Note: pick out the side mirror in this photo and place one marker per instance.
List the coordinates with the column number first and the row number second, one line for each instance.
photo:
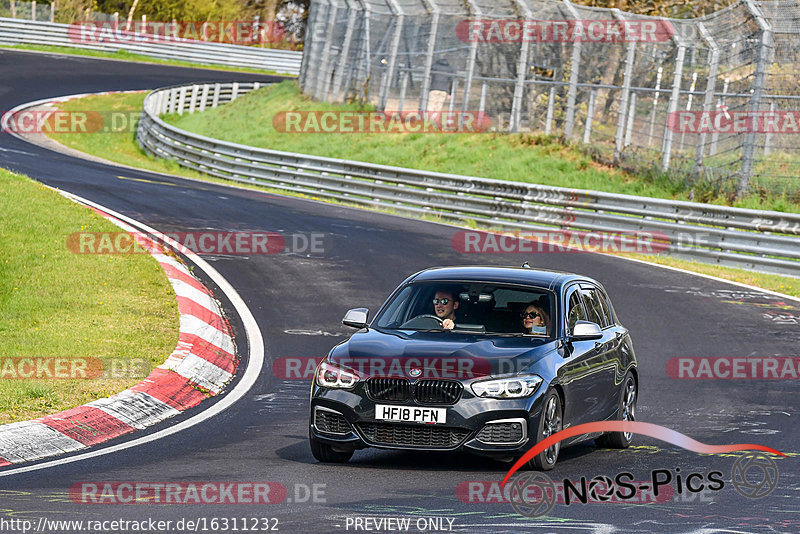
column 356, row 318
column 586, row 330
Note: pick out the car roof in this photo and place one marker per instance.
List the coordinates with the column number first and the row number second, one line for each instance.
column 513, row 275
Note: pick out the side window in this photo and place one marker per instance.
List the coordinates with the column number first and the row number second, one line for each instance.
column 603, row 300
column 594, row 312
column 575, row 311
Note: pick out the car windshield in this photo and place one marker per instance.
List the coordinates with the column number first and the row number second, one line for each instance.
column 485, row 308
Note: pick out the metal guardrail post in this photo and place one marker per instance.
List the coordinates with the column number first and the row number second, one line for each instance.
column 708, row 99
column 426, row 75
column 399, row 19
column 574, row 71
column 764, row 44
column 673, row 106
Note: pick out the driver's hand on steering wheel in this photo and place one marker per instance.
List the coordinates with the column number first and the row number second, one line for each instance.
column 448, row 324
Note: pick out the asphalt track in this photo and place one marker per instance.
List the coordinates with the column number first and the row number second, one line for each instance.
column 263, row 436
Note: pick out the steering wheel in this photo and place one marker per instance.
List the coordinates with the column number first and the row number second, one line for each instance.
column 423, row 322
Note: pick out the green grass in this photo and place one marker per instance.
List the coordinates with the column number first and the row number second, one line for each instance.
column 122, row 148
column 531, row 158
column 124, row 55
column 59, row 304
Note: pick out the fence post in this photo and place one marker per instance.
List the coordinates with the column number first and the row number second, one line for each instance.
column 721, row 108
column 626, row 89
column 748, row 150
column 217, row 90
column 587, row 129
column 53, row 11
column 522, row 74
column 204, row 97
column 181, row 100
column 453, row 91
column 323, row 74
column 13, row 9
column 689, row 105
column 673, row 105
column 708, row 99
column 574, row 71
column 482, row 104
column 313, row 70
column 403, row 87
column 631, row 118
column 344, row 55
column 473, row 54
column 390, row 68
column 548, row 123
column 33, row 10
column 426, row 76
column 193, row 98
column 768, row 136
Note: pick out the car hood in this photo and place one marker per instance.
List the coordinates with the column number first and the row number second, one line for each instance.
column 409, row 354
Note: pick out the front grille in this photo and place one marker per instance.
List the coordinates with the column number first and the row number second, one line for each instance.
column 389, row 389
column 437, row 391
column 424, row 391
column 423, row 436
column 330, row 422
column 501, row 433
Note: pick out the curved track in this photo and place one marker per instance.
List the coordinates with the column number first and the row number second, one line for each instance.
column 263, row 436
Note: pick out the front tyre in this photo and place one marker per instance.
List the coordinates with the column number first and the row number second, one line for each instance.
column 549, row 423
column 326, row 453
column 625, row 412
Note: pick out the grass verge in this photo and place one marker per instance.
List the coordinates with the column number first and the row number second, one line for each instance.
column 123, row 55
column 57, row 304
column 122, row 148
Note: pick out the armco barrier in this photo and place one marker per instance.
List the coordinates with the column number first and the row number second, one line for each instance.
column 16, row 31
column 766, row 241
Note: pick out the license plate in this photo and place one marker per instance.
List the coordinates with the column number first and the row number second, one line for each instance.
column 410, row 414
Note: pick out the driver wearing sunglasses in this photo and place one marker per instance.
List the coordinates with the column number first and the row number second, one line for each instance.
column 535, row 320
column 445, row 306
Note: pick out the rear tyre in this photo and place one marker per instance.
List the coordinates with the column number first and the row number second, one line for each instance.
column 549, row 423
column 325, row 453
column 625, row 412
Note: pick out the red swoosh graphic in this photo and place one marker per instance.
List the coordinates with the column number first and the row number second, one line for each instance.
column 636, row 427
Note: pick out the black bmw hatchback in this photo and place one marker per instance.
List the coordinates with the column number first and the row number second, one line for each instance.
column 488, row 360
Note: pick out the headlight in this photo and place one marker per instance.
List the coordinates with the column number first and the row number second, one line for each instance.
column 517, row 387
column 331, row 375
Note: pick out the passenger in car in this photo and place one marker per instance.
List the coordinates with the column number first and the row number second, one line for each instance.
column 535, row 319
column 445, row 306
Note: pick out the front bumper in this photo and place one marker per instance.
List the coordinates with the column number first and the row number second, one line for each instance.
column 461, row 432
